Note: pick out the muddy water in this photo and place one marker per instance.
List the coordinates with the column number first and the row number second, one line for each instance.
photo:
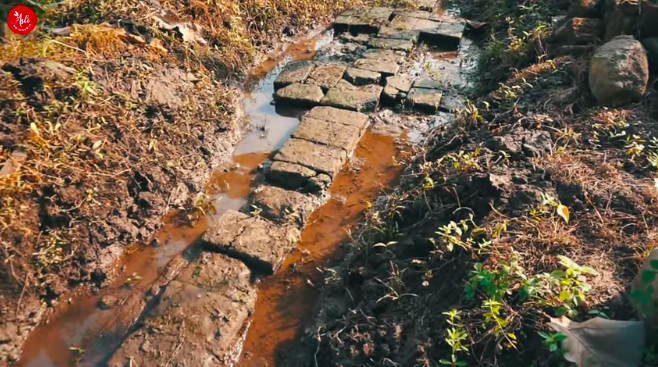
column 286, row 300
column 80, row 331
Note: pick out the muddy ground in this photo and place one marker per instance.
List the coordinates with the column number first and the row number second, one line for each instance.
column 477, row 215
column 112, row 119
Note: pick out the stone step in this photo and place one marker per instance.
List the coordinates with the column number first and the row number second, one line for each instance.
column 259, row 243
column 208, row 304
column 362, row 20
column 284, row 206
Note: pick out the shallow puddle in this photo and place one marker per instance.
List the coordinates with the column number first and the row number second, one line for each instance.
column 81, row 332
column 287, row 299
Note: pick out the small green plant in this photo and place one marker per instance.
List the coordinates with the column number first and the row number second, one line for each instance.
column 644, row 295
column 455, row 335
column 552, row 341
column 459, row 234
column 571, row 285
column 492, row 315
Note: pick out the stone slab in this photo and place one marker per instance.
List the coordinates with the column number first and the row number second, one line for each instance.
column 385, row 68
column 396, row 88
column 420, row 14
column 293, row 72
column 328, row 133
column 296, row 177
column 427, row 83
column 326, row 75
column 299, row 95
column 391, row 44
column 451, row 103
column 426, row 26
column 397, row 57
column 401, row 34
column 284, row 206
column 447, row 35
column 340, row 116
column 318, row 157
column 257, row 242
column 353, row 23
column 360, row 77
column 361, row 39
column 200, row 319
column 360, row 99
column 427, row 100
column 403, row 23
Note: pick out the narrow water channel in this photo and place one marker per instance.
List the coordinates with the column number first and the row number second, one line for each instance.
column 79, row 331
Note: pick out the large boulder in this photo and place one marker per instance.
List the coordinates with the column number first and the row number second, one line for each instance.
column 619, row 71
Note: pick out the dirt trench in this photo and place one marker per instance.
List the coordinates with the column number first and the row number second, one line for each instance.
column 349, row 101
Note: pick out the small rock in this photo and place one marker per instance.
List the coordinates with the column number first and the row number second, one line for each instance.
column 619, row 72
column 106, row 302
column 146, row 346
column 391, row 44
column 326, row 75
column 386, row 68
column 293, row 72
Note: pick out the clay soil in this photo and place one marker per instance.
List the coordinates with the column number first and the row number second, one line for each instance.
column 498, row 175
column 111, row 119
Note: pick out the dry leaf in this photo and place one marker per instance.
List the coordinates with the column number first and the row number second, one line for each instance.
column 13, row 163
column 600, row 342
column 34, row 128
column 97, row 144
column 563, row 212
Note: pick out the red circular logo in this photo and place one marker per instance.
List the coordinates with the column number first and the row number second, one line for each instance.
column 21, row 20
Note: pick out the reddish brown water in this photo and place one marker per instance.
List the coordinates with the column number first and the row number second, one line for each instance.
column 286, row 300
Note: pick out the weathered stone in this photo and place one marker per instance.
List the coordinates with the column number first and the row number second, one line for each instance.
column 401, row 34
column 619, row 72
column 649, row 19
column 362, row 77
column 447, row 35
column 386, row 68
column 201, row 316
column 299, row 95
column 284, row 206
column 621, row 18
column 391, row 44
column 340, row 116
column 361, row 39
column 451, row 103
column 399, row 82
column 255, row 241
column 293, row 72
column 320, row 158
column 426, row 26
column 413, row 14
column 651, row 45
column 328, row 133
column 385, row 55
column 585, row 8
column 396, row 87
column 326, row 75
column 362, row 20
column 424, row 99
column 403, row 23
column 427, row 83
column 358, row 99
column 353, row 23
column 578, row 31
column 291, row 176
